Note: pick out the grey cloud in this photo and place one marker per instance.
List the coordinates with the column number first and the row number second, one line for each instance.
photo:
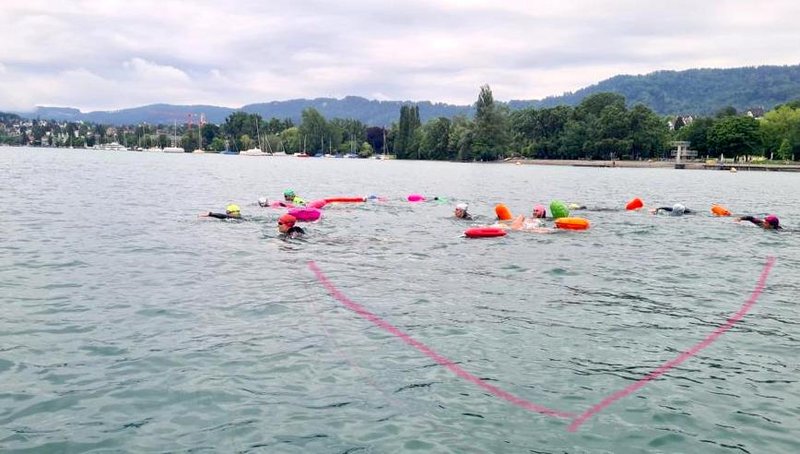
column 403, row 50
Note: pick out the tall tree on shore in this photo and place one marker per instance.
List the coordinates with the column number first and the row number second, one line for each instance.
column 490, row 134
column 405, row 145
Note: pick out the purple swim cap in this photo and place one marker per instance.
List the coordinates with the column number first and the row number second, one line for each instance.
column 772, row 220
column 539, row 211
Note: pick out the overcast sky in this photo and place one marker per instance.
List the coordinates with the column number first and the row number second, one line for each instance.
column 110, row 54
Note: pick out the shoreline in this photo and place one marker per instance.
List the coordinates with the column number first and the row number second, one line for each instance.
column 687, row 165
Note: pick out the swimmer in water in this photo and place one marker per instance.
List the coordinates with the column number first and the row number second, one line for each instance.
column 534, row 224
column 770, row 222
column 674, row 210
column 263, row 202
column 231, row 212
column 291, row 197
column 461, row 212
column 287, row 227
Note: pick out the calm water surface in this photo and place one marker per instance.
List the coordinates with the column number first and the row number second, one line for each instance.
column 128, row 324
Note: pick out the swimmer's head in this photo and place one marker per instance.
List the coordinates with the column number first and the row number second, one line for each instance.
column 233, row 210
column 461, row 210
column 772, row 221
column 539, row 211
column 263, row 202
column 286, row 221
column 574, row 206
column 678, row 209
column 288, row 194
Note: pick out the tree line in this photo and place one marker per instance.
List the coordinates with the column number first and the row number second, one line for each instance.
column 601, row 126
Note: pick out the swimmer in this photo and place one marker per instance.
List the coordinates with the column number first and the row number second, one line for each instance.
column 576, row 206
column 674, row 210
column 770, row 222
column 461, row 212
column 291, row 197
column 532, row 225
column 231, row 212
column 287, row 227
column 264, row 203
column 539, row 212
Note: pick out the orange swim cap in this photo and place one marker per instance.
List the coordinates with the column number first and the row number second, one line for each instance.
column 287, row 219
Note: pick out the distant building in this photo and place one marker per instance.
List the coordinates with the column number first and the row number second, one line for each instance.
column 755, row 112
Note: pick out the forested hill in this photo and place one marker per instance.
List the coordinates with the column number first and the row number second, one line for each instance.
column 694, row 91
column 370, row 112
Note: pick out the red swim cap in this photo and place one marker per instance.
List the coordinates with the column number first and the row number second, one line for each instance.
column 287, row 219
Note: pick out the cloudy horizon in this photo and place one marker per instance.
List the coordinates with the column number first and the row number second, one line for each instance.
column 109, row 55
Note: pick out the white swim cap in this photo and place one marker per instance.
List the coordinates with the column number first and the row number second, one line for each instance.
column 678, row 209
column 262, row 201
column 462, row 206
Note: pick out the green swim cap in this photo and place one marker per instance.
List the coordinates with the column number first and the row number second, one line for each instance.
column 288, row 192
column 558, row 209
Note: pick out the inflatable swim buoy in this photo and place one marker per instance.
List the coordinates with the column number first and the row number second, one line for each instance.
column 502, row 211
column 345, row 199
column 558, row 209
column 305, row 214
column 318, row 204
column 416, row 198
column 484, row 232
column 634, row 204
column 719, row 210
column 572, row 223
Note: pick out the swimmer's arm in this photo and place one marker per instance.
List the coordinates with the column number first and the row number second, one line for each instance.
column 752, row 219
column 517, row 223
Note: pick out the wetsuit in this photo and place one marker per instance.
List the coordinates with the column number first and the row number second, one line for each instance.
column 294, row 232
column 669, row 210
column 466, row 216
column 757, row 221
column 222, row 216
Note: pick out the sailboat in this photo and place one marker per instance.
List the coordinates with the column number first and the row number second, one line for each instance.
column 174, row 148
column 303, row 154
column 199, row 149
column 255, row 151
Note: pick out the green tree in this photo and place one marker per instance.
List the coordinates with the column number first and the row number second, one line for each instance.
column 460, row 139
column 785, row 150
column 435, row 141
column 313, row 129
column 648, row 134
column 405, row 146
column 735, row 136
column 490, row 133
column 780, row 125
column 697, row 134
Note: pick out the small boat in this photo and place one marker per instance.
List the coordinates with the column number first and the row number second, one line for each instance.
column 253, row 152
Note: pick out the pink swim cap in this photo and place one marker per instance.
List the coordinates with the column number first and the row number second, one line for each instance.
column 772, row 220
column 539, row 211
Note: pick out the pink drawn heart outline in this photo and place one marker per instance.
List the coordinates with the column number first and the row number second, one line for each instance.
column 576, row 420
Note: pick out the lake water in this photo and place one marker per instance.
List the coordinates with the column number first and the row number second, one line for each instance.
column 128, row 324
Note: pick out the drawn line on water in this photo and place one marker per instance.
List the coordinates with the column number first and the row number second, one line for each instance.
column 661, row 370
column 429, row 352
column 353, row 364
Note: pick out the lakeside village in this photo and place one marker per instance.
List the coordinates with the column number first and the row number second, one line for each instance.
column 601, row 128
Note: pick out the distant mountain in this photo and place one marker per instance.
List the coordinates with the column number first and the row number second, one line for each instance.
column 373, row 113
column 695, row 91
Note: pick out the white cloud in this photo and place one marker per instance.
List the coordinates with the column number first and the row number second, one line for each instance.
column 110, row 54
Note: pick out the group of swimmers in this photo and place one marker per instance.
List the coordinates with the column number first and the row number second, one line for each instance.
column 288, row 228
column 535, row 222
column 287, row 224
